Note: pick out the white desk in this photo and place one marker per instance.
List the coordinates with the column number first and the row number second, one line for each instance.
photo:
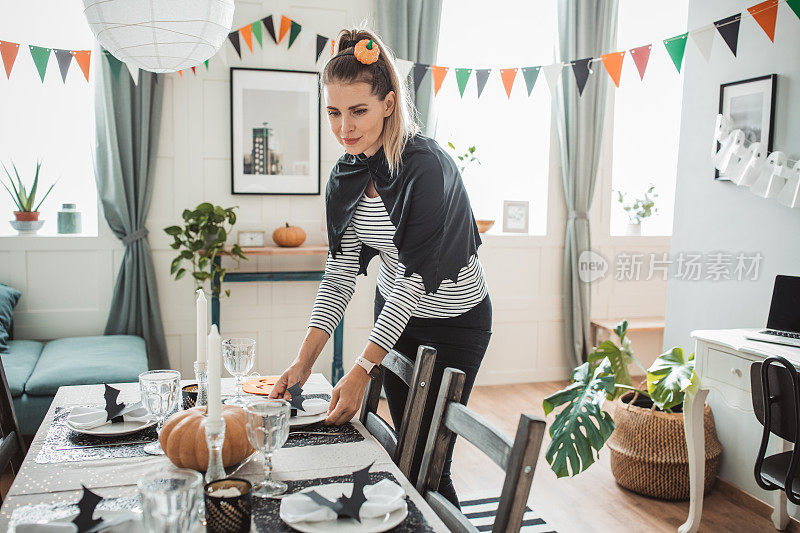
column 722, row 363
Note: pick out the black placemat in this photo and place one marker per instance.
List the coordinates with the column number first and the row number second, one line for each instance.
column 348, row 430
column 45, row 512
column 59, row 435
column 266, row 511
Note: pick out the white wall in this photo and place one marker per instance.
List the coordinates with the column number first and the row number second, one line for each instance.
column 717, row 216
column 67, row 282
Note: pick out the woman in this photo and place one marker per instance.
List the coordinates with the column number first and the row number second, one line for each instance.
column 396, row 194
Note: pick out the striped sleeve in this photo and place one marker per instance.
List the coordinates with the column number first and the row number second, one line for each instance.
column 338, row 284
column 400, row 305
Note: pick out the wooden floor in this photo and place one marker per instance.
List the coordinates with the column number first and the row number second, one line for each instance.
column 591, row 501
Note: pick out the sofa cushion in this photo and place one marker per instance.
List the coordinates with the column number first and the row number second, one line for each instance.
column 19, row 363
column 87, row 360
column 8, row 300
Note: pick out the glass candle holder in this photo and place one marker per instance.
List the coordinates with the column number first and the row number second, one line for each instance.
column 215, row 438
column 201, row 375
column 229, row 506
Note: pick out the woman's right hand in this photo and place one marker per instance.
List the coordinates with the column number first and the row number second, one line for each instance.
column 297, row 373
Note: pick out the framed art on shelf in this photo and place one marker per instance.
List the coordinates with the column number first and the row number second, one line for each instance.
column 750, row 106
column 515, row 216
column 275, row 131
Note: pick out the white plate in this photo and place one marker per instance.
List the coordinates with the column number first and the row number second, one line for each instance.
column 300, row 421
column 115, row 430
column 349, row 525
column 134, row 526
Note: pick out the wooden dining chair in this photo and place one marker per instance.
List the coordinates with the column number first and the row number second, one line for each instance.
column 775, row 389
column 517, row 458
column 12, row 445
column 400, row 444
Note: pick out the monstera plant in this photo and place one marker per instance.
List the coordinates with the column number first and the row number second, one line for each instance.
column 581, row 429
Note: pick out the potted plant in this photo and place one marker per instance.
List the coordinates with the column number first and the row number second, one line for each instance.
column 200, row 240
column 467, row 160
column 26, row 217
column 645, row 434
column 638, row 209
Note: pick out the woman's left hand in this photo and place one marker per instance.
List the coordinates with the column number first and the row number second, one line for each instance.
column 347, row 396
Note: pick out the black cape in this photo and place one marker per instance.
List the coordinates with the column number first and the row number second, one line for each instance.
column 436, row 234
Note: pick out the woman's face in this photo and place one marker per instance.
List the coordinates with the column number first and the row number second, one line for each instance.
column 356, row 116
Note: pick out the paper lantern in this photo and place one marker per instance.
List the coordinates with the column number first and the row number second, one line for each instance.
column 160, row 35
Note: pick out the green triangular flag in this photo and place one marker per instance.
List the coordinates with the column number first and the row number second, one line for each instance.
column 293, row 33
column 795, row 5
column 676, row 46
column 530, row 73
column 462, row 77
column 257, row 31
column 40, row 57
column 114, row 64
column 206, row 63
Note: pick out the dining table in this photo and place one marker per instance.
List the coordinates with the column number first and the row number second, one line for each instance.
column 59, row 463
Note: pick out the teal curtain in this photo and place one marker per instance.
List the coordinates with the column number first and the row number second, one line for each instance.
column 127, row 120
column 411, row 29
column 587, row 28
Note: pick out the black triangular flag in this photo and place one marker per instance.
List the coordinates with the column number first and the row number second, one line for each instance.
column 419, row 72
column 234, row 38
column 270, row 27
column 580, row 67
column 64, row 58
column 728, row 28
column 321, row 42
column 481, row 76
column 85, row 519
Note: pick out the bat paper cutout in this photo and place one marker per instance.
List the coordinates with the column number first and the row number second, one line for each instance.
column 113, row 408
column 346, row 506
column 297, row 398
column 85, row 519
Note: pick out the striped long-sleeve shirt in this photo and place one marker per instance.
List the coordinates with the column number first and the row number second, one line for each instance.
column 405, row 296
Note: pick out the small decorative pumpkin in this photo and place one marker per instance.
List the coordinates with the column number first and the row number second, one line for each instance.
column 366, row 51
column 289, row 236
column 183, row 438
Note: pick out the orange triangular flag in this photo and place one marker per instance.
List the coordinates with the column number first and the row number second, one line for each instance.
column 613, row 64
column 9, row 52
column 286, row 23
column 82, row 57
column 438, row 77
column 765, row 14
column 508, row 75
column 180, row 73
column 247, row 33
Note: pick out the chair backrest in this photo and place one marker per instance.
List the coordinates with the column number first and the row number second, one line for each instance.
column 12, row 445
column 518, row 457
column 417, row 375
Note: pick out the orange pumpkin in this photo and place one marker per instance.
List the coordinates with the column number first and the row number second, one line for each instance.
column 183, row 438
column 289, row 236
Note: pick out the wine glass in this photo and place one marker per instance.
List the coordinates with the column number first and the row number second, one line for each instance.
column 170, row 499
column 160, row 390
column 267, row 430
column 238, row 355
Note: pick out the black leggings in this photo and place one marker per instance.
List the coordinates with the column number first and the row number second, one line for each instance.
column 460, row 342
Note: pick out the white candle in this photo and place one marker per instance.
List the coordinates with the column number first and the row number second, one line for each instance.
column 202, row 326
column 214, row 383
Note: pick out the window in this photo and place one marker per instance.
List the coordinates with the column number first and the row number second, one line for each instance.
column 647, row 114
column 512, row 136
column 51, row 121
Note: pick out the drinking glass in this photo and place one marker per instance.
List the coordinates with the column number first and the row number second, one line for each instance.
column 267, row 430
column 170, row 499
column 160, row 390
column 238, row 355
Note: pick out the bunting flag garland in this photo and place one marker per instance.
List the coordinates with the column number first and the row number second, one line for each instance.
column 462, row 77
column 134, row 72
column 676, row 46
column 322, row 41
column 613, row 64
column 206, row 63
column 40, row 56
column 255, row 29
column 766, row 14
column 580, row 67
column 439, row 74
column 703, row 40
column 270, row 25
column 8, row 51
column 82, row 57
column 419, row 73
column 728, row 29
column 247, row 34
column 233, row 37
column 64, row 58
column 194, row 71
column 294, row 31
column 481, row 76
column 530, row 74
column 508, row 75
column 641, row 55
column 286, row 23
column 552, row 73
column 114, row 64
column 404, row 67
column 795, row 5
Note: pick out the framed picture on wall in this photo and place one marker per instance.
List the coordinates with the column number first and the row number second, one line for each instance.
column 750, row 105
column 515, row 216
column 275, row 131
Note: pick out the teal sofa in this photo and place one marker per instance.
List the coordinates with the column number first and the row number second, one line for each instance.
column 36, row 370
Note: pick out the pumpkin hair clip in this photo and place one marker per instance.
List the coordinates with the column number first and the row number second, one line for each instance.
column 366, row 51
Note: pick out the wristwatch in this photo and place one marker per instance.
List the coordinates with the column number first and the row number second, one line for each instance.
column 370, row 367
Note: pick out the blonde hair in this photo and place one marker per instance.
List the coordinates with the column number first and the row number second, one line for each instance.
column 402, row 123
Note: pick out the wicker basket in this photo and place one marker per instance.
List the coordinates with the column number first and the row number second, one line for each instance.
column 648, row 451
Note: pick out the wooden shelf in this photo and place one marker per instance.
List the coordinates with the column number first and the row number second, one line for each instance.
column 280, row 250
column 652, row 323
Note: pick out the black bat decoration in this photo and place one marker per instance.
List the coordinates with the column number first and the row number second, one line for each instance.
column 85, row 519
column 297, row 398
column 113, row 409
column 347, row 506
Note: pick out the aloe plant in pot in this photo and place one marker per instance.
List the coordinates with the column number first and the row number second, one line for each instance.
column 642, row 427
column 26, row 215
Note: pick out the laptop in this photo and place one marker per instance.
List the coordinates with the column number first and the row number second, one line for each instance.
column 783, row 325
